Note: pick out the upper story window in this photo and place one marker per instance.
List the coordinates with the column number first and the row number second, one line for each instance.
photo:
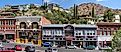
column 58, row 32
column 9, row 22
column 90, row 32
column 35, row 25
column 1, row 22
column 104, row 32
column 108, row 33
column 100, row 32
column 78, row 32
column 101, row 28
column 23, row 25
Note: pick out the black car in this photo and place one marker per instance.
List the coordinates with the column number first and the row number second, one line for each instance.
column 48, row 50
column 30, row 49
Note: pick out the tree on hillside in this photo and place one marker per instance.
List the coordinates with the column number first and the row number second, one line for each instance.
column 108, row 16
column 116, row 41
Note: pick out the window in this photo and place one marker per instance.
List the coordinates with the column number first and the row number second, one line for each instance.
column 80, row 33
column 104, row 32
column 109, row 33
column 76, row 33
column 93, row 33
column 101, row 28
column 100, row 32
column 43, row 32
column 0, row 22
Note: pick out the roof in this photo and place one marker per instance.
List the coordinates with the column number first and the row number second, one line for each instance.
column 107, row 23
column 28, row 17
column 74, row 25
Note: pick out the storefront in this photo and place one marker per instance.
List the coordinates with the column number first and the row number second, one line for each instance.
column 104, row 41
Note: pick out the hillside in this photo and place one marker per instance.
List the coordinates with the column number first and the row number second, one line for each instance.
column 57, row 15
column 86, row 9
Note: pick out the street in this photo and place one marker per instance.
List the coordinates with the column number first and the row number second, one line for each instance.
column 42, row 49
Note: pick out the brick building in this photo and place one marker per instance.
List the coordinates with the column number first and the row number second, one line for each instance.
column 105, row 32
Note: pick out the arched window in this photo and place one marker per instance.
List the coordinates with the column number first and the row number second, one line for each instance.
column 23, row 25
column 35, row 25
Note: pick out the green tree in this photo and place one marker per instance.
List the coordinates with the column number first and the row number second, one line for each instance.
column 108, row 16
column 116, row 41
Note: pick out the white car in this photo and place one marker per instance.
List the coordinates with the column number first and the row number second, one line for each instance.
column 71, row 47
column 54, row 50
column 1, row 45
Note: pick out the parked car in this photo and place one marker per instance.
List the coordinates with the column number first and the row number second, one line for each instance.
column 54, row 50
column 47, row 44
column 70, row 47
column 48, row 50
column 30, row 49
column 18, row 48
column 105, row 48
column 29, row 44
column 1, row 45
column 90, row 47
column 6, row 50
column 51, row 50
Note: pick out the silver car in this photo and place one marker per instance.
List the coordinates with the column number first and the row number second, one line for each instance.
column 70, row 47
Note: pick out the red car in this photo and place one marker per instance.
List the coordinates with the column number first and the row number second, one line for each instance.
column 18, row 48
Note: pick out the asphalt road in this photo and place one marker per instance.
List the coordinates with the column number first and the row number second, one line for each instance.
column 41, row 49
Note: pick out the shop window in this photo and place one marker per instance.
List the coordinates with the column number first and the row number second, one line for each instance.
column 9, row 36
column 1, row 37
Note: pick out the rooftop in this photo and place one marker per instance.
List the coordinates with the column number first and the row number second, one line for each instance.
column 28, row 17
column 108, row 23
column 74, row 25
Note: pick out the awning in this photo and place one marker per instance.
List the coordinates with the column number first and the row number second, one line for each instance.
column 105, row 38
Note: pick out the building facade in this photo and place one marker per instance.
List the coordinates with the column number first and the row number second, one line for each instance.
column 70, row 34
column 105, row 32
column 7, row 26
column 28, row 29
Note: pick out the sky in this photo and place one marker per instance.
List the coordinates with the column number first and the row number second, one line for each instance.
column 115, row 4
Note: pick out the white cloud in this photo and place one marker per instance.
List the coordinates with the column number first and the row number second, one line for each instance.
column 99, row 0
column 46, row 0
